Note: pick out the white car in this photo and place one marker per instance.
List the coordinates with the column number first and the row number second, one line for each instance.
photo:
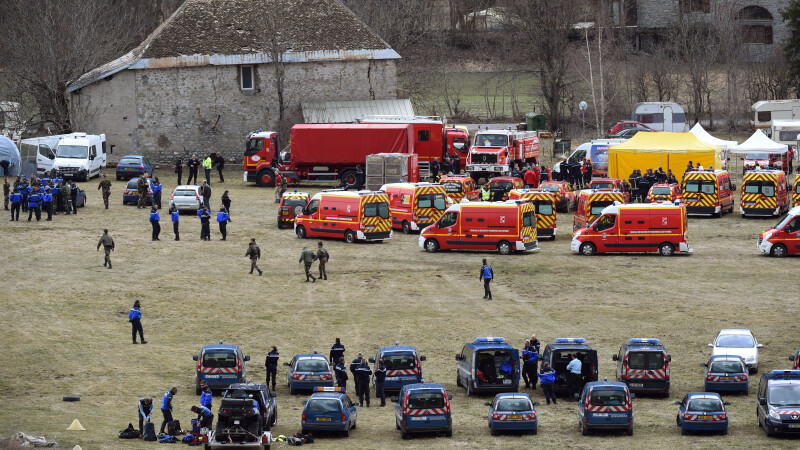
column 186, row 197
column 737, row 342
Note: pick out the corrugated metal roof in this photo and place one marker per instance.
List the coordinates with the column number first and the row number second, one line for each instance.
column 349, row 111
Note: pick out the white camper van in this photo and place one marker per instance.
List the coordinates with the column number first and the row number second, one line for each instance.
column 661, row 116
column 786, row 132
column 767, row 111
column 81, row 156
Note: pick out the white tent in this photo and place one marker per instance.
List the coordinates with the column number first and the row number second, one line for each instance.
column 9, row 152
column 759, row 142
column 706, row 138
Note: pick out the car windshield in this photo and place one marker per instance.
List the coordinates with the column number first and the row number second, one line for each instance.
column 608, row 397
column 311, row 365
column 704, row 186
column 426, row 400
column 398, row 361
column 514, row 404
column 501, row 185
column 544, row 207
column 448, row 220
column 436, row 201
column 135, row 161
column 491, row 140
column 603, row 185
column 704, row 405
column 756, row 156
column 797, row 188
column 599, row 206
column 323, row 405
column 459, row 143
column 735, row 340
column 184, row 192
column 645, row 360
column 72, row 151
column 219, row 359
column 783, row 222
column 295, row 202
column 661, row 191
column 726, row 367
column 377, row 209
column 784, row 395
column 551, row 187
column 452, row 187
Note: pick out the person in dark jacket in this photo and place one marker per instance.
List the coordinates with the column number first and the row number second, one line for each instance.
column 380, row 382
column 220, row 164
column 206, row 396
column 135, row 318
column 226, row 200
column 193, row 164
column 47, row 203
column 353, row 366
column 145, row 411
column 175, row 215
column 16, row 204
column 529, row 365
column 487, row 275
column 33, row 204
column 166, row 407
column 222, row 219
column 271, row 364
column 154, row 221
column 435, row 169
column 205, row 219
column 547, row 376
column 362, row 374
column 205, row 192
column 204, row 416
column 337, row 351
column 178, row 165
column 341, row 373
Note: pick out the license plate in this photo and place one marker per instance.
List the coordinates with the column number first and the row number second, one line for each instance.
column 619, row 415
column 515, row 416
column 794, row 425
column 129, row 168
column 418, row 418
column 323, row 419
column 704, row 417
column 726, row 378
column 506, row 381
column 408, row 378
column 749, row 203
column 212, row 376
column 312, row 377
column 601, row 414
column 637, row 385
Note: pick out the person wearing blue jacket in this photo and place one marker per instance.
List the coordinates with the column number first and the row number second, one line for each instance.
column 222, row 218
column 487, row 275
column 176, row 217
column 530, row 359
column 135, row 318
column 47, row 203
column 145, row 410
column 166, row 407
column 154, row 218
column 380, row 381
column 156, row 186
column 205, row 218
column 204, row 415
column 547, row 378
column 16, row 204
column 34, row 204
column 25, row 189
column 206, row 397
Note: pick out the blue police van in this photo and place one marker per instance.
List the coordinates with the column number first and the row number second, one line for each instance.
column 605, row 405
column 329, row 409
column 558, row 355
column 488, row 364
column 778, row 408
column 423, row 408
column 220, row 365
column 403, row 365
column 643, row 364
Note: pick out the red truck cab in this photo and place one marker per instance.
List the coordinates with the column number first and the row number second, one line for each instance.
column 262, row 147
column 494, row 151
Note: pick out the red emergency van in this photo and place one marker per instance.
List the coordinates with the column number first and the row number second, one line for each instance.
column 613, row 184
column 414, row 206
column 764, row 193
column 664, row 193
column 545, row 203
column 505, row 226
column 460, row 186
column 362, row 215
column 505, row 184
column 708, row 193
column 784, row 238
column 591, row 202
column 649, row 227
column 566, row 197
column 796, row 191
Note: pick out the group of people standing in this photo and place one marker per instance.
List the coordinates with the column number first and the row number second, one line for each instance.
column 447, row 166
column 577, row 173
column 223, row 217
column 209, row 161
column 641, row 183
column 37, row 196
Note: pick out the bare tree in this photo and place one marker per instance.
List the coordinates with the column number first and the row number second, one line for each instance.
column 277, row 46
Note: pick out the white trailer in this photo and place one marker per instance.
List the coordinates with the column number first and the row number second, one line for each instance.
column 767, row 111
column 661, row 116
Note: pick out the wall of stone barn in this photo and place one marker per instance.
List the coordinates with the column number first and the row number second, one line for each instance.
column 199, row 109
column 108, row 106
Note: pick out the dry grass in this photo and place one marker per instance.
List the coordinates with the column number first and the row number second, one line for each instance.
column 64, row 318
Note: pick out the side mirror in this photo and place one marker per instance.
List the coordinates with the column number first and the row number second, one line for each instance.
column 792, row 358
column 726, row 403
column 615, row 357
column 487, row 404
column 286, row 364
column 449, row 396
column 669, row 358
column 195, row 358
column 422, row 358
column 372, row 360
column 247, row 357
column 91, row 157
column 394, row 399
column 710, row 345
column 535, row 403
column 632, row 395
column 759, row 345
column 704, row 364
column 677, row 402
column 458, row 358
column 273, row 394
column 305, row 401
column 762, row 401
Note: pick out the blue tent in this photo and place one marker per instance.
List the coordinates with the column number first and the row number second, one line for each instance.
column 9, row 152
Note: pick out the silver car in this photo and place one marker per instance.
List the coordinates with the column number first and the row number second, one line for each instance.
column 186, row 197
column 737, row 342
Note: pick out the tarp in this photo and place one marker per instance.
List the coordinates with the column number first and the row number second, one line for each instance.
column 9, row 152
column 759, row 142
column 667, row 150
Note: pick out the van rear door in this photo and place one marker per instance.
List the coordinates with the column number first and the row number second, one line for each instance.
column 426, row 408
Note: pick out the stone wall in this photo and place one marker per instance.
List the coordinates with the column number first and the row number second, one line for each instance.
column 164, row 113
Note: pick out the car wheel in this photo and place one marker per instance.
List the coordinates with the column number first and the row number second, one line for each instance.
column 504, row 248
column 119, row 178
column 725, row 432
column 354, row 425
column 348, row 177
column 346, row 432
column 584, row 430
column 458, row 381
column 683, row 432
column 280, row 224
column 587, row 249
column 300, row 231
column 469, row 388
column 431, row 246
column 396, row 423
column 758, row 419
column 629, row 431
column 406, row 227
column 275, row 418
column 197, row 390
column 535, row 430
column 404, row 435
column 778, row 251
column 678, row 420
column 293, row 391
column 449, row 433
column 349, row 237
column 492, row 431
column 666, row 249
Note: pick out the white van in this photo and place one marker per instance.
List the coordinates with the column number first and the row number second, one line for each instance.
column 661, row 116
column 597, row 151
column 766, row 111
column 41, row 150
column 81, row 156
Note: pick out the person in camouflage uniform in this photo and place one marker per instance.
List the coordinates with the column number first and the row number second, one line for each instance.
column 105, row 185
column 108, row 245
column 6, row 192
column 322, row 256
column 308, row 257
column 141, row 188
column 254, row 253
column 64, row 195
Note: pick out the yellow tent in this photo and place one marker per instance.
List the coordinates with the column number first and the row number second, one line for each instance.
column 665, row 149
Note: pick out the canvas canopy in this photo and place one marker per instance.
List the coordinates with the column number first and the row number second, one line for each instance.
column 665, row 149
column 759, row 142
column 707, row 138
column 9, row 152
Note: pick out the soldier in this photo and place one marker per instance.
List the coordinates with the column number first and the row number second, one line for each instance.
column 308, row 257
column 141, row 188
column 362, row 375
column 6, row 192
column 271, row 365
column 154, row 221
column 176, row 216
column 222, row 219
column 322, row 256
column 108, row 245
column 65, row 192
column 105, row 185
column 47, row 203
column 34, row 204
column 254, row 253
column 16, row 204
column 179, row 170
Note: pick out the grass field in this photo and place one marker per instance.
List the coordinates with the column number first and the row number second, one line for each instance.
column 64, row 327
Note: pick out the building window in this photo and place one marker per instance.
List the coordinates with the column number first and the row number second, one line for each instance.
column 246, row 76
column 756, row 25
column 699, row 6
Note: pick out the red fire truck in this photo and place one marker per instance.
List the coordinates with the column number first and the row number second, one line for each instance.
column 494, row 151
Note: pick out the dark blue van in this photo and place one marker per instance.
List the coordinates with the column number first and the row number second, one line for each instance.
column 403, row 365
column 423, row 408
column 488, row 364
column 220, row 365
column 605, row 405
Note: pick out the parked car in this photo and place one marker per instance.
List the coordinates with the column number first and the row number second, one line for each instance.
column 133, row 166
column 131, row 191
column 702, row 411
column 186, row 197
column 627, row 125
column 512, row 411
column 737, row 342
column 629, row 133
